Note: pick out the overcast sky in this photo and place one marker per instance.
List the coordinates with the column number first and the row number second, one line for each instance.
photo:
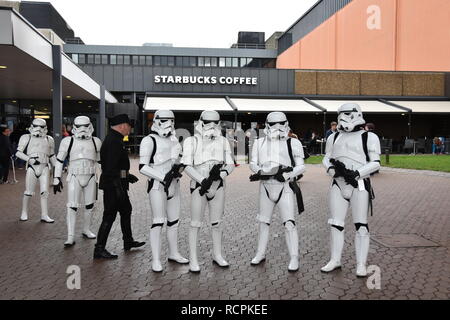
column 189, row 23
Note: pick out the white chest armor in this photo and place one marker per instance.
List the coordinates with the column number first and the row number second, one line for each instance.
column 39, row 147
column 348, row 148
column 210, row 150
column 83, row 157
column 273, row 153
column 168, row 150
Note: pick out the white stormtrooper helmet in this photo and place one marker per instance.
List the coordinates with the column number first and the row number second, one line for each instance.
column 277, row 126
column 349, row 117
column 82, row 128
column 38, row 128
column 209, row 124
column 164, row 123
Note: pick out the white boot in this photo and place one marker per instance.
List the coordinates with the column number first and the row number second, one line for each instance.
column 337, row 244
column 362, row 240
column 25, row 202
column 262, row 243
column 87, row 233
column 172, row 240
column 292, row 245
column 217, row 247
column 71, row 221
column 155, row 242
column 44, row 209
column 193, row 260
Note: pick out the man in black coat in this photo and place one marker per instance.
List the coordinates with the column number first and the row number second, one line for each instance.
column 5, row 154
column 114, row 182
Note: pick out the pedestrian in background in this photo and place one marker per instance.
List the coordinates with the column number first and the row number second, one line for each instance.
column 6, row 152
column 333, row 129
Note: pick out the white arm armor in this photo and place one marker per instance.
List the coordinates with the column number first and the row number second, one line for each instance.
column 23, row 141
column 326, row 159
column 145, row 151
column 51, row 156
column 187, row 159
column 254, row 161
column 229, row 162
column 297, row 152
column 374, row 149
column 62, row 154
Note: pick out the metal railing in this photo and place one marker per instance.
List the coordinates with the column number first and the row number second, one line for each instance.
column 253, row 46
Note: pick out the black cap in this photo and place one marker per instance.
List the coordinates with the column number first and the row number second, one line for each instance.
column 120, row 118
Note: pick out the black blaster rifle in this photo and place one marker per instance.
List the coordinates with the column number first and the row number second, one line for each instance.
column 214, row 175
column 278, row 176
column 174, row 173
column 348, row 175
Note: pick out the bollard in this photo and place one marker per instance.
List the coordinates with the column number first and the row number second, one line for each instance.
column 386, row 153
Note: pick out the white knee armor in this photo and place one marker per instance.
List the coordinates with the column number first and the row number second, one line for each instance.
column 84, row 153
column 208, row 159
column 160, row 154
column 351, row 156
column 277, row 160
column 37, row 149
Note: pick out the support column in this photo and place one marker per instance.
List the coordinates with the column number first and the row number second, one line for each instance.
column 56, row 95
column 102, row 114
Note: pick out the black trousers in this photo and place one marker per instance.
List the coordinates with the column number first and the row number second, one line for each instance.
column 4, row 168
column 112, row 205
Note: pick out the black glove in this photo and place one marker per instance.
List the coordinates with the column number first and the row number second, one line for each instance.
column 132, row 178
column 256, row 176
column 58, row 187
column 205, row 185
column 350, row 178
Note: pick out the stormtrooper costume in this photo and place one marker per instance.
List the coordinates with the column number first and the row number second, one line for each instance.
column 37, row 149
column 360, row 152
column 271, row 155
column 160, row 153
column 204, row 153
column 83, row 151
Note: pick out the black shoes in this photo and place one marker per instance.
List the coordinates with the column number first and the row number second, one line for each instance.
column 134, row 244
column 102, row 253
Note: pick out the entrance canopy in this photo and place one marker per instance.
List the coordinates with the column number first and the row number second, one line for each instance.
column 367, row 106
column 269, row 105
column 186, row 104
column 425, row 106
column 26, row 65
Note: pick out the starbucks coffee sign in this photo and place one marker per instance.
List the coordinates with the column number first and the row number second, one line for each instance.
column 205, row 80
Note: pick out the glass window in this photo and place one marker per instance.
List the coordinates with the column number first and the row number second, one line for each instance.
column 221, row 62
column 178, row 61
column 157, row 60
column 148, row 60
column 185, row 61
column 170, row 61
column 213, row 62
column 90, row 59
column 135, row 60
column 207, row 62
column 119, row 59
column 81, row 58
column 164, row 60
column 97, row 59
column 243, row 62
column 201, row 61
column 104, row 59
column 126, row 59
column 235, row 62
column 193, row 61
column 228, row 62
column 75, row 57
column 113, row 59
